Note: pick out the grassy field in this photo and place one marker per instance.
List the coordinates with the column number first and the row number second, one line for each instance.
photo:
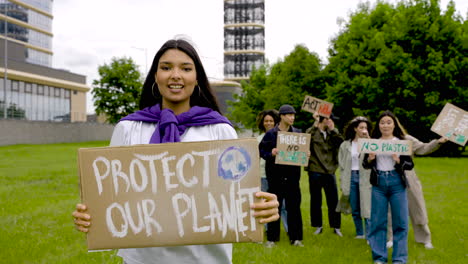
column 39, row 189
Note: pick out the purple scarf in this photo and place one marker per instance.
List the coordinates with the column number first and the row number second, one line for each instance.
column 171, row 127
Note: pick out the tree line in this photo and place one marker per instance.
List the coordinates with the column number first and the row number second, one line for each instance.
column 409, row 57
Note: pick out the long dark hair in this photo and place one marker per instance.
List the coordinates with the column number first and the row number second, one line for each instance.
column 261, row 117
column 349, row 129
column 398, row 131
column 202, row 96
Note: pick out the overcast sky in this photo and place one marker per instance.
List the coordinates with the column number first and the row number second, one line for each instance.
column 88, row 33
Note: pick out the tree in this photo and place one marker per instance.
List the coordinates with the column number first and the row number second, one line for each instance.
column 245, row 107
column 13, row 111
column 409, row 58
column 285, row 82
column 117, row 91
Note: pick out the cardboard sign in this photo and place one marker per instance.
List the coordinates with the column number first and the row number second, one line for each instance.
column 315, row 105
column 292, row 148
column 452, row 123
column 171, row 194
column 379, row 146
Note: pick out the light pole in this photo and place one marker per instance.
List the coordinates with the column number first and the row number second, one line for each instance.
column 146, row 56
column 5, row 63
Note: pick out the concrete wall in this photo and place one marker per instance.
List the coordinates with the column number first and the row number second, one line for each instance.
column 34, row 132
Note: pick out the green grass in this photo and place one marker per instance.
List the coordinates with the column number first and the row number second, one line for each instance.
column 39, row 189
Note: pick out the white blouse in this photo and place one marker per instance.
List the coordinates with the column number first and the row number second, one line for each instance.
column 385, row 162
column 354, row 156
column 136, row 132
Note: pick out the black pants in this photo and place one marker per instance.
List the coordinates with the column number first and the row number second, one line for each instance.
column 317, row 181
column 285, row 184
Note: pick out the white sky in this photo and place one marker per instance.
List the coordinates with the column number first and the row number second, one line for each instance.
column 88, row 33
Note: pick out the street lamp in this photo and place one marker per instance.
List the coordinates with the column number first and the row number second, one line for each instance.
column 6, row 63
column 146, row 56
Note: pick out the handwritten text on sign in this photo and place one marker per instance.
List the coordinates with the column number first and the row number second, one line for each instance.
column 378, row 146
column 171, row 194
column 315, row 105
column 292, row 148
column 452, row 123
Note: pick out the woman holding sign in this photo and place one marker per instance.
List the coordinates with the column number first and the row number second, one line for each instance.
column 266, row 120
column 354, row 178
column 416, row 202
column 388, row 188
column 177, row 105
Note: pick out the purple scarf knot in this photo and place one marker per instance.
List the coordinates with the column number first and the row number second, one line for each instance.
column 170, row 126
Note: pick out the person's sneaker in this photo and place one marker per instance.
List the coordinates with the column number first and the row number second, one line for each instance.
column 337, row 231
column 389, row 244
column 378, row 262
column 318, row 231
column 270, row 244
column 297, row 243
column 428, row 245
column 359, row 237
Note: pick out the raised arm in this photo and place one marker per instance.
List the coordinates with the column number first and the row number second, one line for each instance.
column 421, row 148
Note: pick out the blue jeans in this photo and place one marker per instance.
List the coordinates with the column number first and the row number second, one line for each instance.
column 390, row 189
column 264, row 184
column 282, row 211
column 355, row 202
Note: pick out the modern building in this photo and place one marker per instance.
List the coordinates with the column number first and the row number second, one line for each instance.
column 30, row 89
column 244, row 37
column 225, row 91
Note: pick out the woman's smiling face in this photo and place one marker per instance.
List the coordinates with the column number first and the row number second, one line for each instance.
column 268, row 122
column 176, row 78
column 386, row 126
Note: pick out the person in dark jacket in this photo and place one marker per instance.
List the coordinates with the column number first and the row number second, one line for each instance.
column 325, row 143
column 283, row 180
column 388, row 188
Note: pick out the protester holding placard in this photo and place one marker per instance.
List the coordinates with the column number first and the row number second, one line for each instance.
column 354, row 178
column 323, row 162
column 266, row 120
column 283, row 180
column 177, row 105
column 416, row 202
column 388, row 188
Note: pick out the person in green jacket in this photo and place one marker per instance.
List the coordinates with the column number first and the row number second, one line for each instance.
column 325, row 140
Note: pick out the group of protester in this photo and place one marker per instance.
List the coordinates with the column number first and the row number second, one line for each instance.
column 381, row 189
column 178, row 105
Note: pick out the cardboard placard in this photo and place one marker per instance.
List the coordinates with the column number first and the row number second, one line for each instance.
column 171, row 194
column 452, row 123
column 292, row 148
column 315, row 105
column 379, row 146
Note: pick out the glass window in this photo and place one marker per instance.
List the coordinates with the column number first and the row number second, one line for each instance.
column 14, row 86
column 28, row 106
column 40, row 89
column 1, row 93
column 38, row 57
column 45, row 5
column 27, row 87
column 67, row 93
column 57, row 91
